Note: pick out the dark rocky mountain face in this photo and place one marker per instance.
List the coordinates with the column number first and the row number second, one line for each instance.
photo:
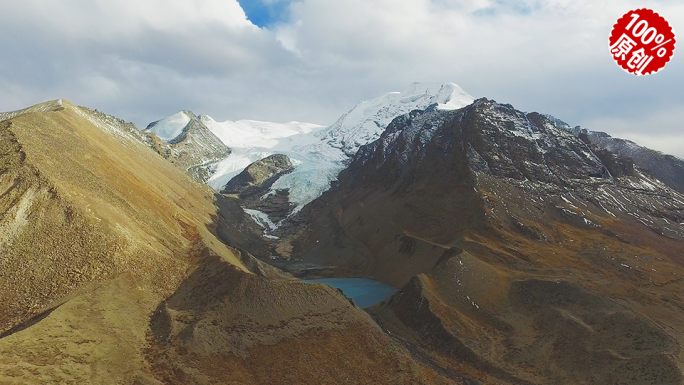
column 457, row 172
column 526, row 254
column 666, row 168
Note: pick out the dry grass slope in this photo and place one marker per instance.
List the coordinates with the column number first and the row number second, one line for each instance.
column 80, row 205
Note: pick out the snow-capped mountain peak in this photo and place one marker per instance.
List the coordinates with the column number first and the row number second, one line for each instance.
column 318, row 153
column 449, row 96
column 171, row 127
column 368, row 119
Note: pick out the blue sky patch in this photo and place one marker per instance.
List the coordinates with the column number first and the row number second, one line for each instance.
column 265, row 13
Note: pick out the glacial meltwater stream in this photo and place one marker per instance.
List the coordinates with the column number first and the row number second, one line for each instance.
column 364, row 291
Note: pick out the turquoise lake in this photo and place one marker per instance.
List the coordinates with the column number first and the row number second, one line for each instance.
column 364, row 291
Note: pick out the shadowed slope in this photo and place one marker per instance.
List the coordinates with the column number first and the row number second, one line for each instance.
column 225, row 326
column 523, row 257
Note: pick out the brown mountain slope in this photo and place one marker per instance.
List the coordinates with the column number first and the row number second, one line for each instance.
column 80, row 205
column 110, row 272
column 232, row 328
column 521, row 257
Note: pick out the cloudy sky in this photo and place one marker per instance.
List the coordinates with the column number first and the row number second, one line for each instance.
column 312, row 60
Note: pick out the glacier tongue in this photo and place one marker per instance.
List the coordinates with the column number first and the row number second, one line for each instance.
column 319, row 153
column 251, row 140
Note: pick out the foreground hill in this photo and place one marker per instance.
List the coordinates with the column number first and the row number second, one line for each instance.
column 111, row 272
column 524, row 255
column 83, row 200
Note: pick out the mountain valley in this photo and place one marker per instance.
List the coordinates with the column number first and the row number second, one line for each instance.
column 523, row 250
column 112, row 272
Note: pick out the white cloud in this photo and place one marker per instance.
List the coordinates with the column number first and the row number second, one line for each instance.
column 112, row 19
column 144, row 60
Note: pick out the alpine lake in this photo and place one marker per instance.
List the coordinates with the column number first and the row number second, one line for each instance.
column 365, row 292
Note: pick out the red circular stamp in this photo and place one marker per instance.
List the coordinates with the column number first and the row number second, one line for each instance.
column 642, row 42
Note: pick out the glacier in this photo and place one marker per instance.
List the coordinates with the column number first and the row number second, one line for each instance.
column 318, row 152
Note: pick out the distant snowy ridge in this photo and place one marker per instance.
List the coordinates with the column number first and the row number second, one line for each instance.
column 185, row 141
column 667, row 168
column 318, row 153
column 246, row 133
column 367, row 120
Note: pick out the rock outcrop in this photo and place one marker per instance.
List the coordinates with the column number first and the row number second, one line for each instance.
column 252, row 187
column 259, row 176
column 195, row 149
